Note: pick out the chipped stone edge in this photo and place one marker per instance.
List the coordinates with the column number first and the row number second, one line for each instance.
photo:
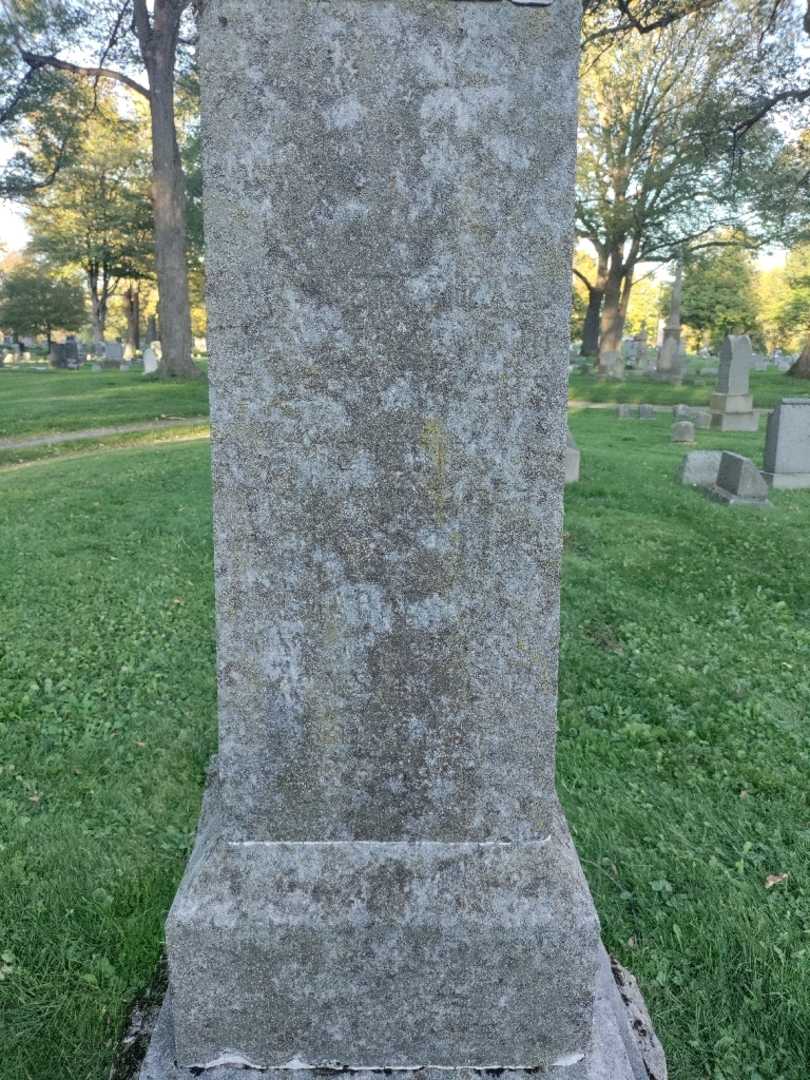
column 624, row 1042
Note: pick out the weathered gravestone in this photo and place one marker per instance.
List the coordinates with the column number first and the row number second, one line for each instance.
column 114, row 351
column 683, row 431
column 627, row 412
column 58, row 355
column 700, row 468
column 384, row 879
column 732, row 405
column 671, row 361
column 611, row 364
column 572, row 458
column 787, row 444
column 739, row 483
column 150, row 360
column 647, row 412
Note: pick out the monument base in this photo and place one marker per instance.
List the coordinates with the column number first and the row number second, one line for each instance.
column 731, row 403
column 735, row 421
column 330, row 957
column 623, row 1046
column 718, row 494
column 787, row 481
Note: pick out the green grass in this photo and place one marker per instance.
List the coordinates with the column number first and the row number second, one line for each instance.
column 37, row 402
column 683, row 755
column 106, row 722
column 767, row 387
column 685, row 681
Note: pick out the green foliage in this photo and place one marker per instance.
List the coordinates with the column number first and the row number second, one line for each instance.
column 654, row 168
column 34, row 300
column 719, row 295
column 644, row 308
column 784, row 300
column 97, row 216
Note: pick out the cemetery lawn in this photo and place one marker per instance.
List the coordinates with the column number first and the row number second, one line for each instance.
column 38, row 402
column 767, row 387
column 73, row 447
column 683, row 756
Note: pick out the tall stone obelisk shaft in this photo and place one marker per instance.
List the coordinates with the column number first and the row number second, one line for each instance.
column 386, row 880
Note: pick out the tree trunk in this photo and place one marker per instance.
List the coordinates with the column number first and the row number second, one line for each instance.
column 624, row 300
column 801, row 368
column 612, row 321
column 590, row 327
column 132, row 300
column 158, row 45
column 151, row 329
column 596, row 293
column 98, row 305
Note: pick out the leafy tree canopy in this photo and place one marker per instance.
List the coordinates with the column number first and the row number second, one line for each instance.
column 35, row 300
column 719, row 294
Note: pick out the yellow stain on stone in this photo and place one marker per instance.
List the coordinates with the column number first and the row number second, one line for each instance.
column 433, row 440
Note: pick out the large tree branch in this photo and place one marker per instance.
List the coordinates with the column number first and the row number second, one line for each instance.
column 794, row 96
column 8, row 112
column 583, row 279
column 36, row 61
column 10, row 190
column 632, row 22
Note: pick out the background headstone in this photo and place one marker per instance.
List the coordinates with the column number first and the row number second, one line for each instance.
column 732, row 405
column 114, row 351
column 787, row 444
column 683, row 431
column 701, row 467
column 572, row 459
column 58, row 356
column 671, row 361
column 739, row 482
column 646, row 412
column 384, row 879
column 150, row 360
